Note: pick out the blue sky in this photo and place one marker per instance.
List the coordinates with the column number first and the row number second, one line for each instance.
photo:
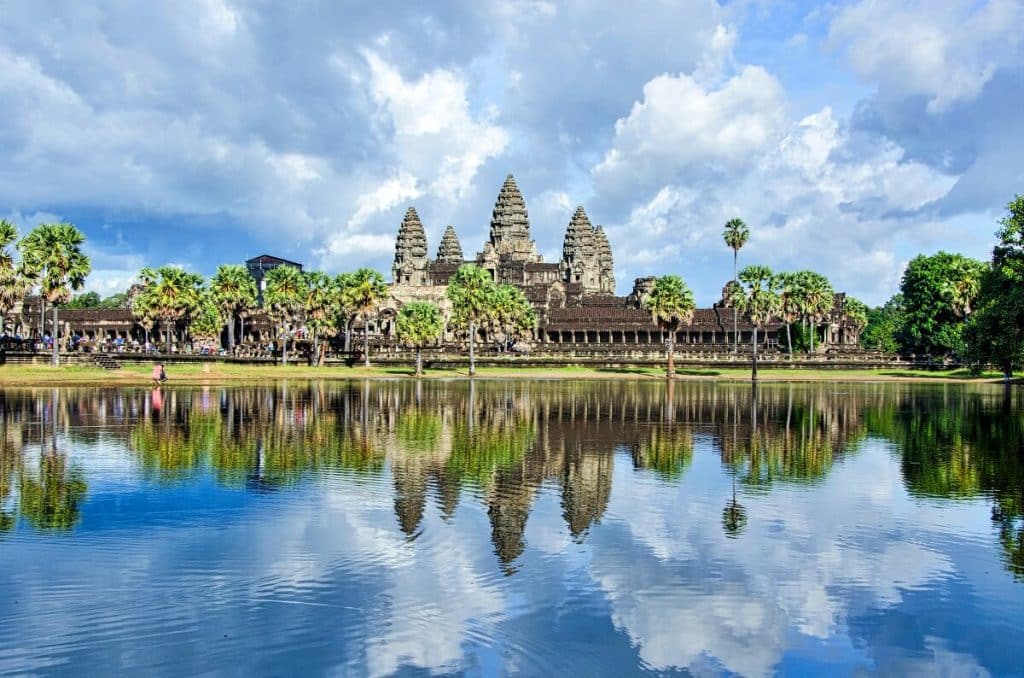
column 849, row 135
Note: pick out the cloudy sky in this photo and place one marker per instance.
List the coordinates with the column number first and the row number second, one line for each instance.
column 849, row 135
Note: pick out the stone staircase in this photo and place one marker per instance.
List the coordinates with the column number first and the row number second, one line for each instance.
column 104, row 361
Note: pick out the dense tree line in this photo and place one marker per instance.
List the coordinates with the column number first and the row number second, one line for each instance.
column 952, row 306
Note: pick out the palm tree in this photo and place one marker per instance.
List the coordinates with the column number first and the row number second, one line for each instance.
column 964, row 285
column 12, row 286
column 285, row 297
column 207, row 320
column 234, row 292
column 758, row 300
column 789, row 301
column 345, row 284
column 815, row 298
column 471, row 291
column 52, row 254
column 368, row 290
column 321, row 310
column 419, row 323
column 736, row 235
column 169, row 294
column 671, row 305
column 510, row 314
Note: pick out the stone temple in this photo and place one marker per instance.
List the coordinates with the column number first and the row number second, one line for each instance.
column 575, row 297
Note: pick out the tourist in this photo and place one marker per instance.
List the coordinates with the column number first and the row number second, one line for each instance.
column 159, row 375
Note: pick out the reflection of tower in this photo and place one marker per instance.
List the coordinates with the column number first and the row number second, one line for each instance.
column 586, row 487
column 410, row 492
column 508, row 508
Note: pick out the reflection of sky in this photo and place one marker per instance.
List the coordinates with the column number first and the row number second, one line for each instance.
column 851, row 574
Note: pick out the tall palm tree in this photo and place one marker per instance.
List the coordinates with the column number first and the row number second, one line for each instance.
column 285, row 297
column 368, row 290
column 234, row 292
column 345, row 304
column 52, row 254
column 419, row 323
column 321, row 309
column 736, row 235
column 471, row 291
column 671, row 305
column 207, row 321
column 816, row 299
column 759, row 301
column 788, row 285
column 12, row 286
column 168, row 294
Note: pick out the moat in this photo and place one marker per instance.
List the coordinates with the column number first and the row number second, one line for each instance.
column 488, row 527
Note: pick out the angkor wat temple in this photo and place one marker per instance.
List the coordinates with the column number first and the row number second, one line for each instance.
column 575, row 297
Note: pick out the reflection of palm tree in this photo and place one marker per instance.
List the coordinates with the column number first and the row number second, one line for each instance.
column 51, row 500
column 734, row 516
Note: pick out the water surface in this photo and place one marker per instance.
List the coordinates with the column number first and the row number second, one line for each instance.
column 448, row 527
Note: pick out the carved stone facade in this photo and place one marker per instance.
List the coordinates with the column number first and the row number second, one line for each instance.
column 575, row 297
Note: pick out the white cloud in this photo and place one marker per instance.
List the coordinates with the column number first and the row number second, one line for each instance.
column 945, row 51
column 681, row 127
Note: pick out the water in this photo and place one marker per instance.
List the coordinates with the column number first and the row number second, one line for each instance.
column 599, row 528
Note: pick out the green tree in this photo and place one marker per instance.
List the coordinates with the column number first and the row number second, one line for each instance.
column 285, row 298
column 511, row 315
column 471, row 291
column 995, row 333
column 759, row 301
column 815, row 299
column 788, row 285
column 52, row 254
column 366, row 292
column 206, row 321
column 12, row 286
column 321, row 309
column 884, row 324
column 51, row 499
column 936, row 299
column 736, row 235
column 345, row 303
column 234, row 292
column 168, row 294
column 86, row 300
column 856, row 312
column 419, row 323
column 671, row 305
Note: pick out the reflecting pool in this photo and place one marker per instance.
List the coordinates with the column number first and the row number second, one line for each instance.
column 488, row 527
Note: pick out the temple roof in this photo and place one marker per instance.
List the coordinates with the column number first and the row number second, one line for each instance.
column 450, row 250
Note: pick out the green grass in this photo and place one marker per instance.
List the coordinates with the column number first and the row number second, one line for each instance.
column 33, row 375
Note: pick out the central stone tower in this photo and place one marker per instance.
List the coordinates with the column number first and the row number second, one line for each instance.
column 510, row 227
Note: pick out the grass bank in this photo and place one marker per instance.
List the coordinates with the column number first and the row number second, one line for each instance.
column 219, row 373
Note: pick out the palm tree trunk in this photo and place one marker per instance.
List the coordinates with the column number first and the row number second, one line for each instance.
column 348, row 334
column 168, row 331
column 284, row 344
column 735, row 311
column 366, row 342
column 812, row 335
column 472, row 342
column 231, row 331
column 56, row 342
column 753, row 371
column 789, row 342
column 671, row 346
column 241, row 328
column 419, row 361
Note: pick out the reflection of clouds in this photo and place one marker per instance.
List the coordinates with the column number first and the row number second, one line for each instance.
column 806, row 557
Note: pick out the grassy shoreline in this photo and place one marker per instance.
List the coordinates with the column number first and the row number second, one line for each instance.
column 219, row 373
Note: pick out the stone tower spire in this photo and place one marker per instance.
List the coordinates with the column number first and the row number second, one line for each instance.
column 450, row 251
column 510, row 224
column 606, row 268
column 579, row 252
column 410, row 267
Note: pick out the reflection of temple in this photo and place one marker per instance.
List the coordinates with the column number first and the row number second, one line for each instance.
column 574, row 297
column 438, row 446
